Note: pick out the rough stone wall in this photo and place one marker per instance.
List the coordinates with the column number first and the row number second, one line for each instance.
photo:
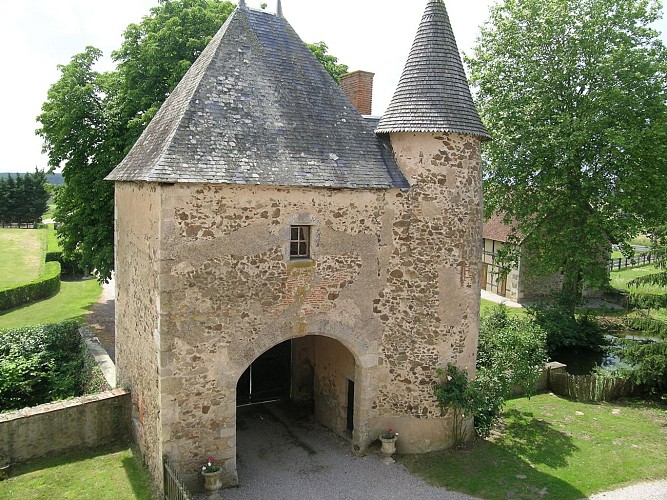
column 334, row 366
column 532, row 287
column 137, row 312
column 393, row 278
column 437, row 238
column 77, row 424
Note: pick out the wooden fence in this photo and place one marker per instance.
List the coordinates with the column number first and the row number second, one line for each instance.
column 589, row 387
column 174, row 489
column 637, row 260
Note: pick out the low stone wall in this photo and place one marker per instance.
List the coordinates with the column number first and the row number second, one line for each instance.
column 81, row 423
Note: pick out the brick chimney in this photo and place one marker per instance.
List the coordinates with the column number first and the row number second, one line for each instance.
column 358, row 86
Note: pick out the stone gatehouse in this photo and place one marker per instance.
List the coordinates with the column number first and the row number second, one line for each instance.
column 271, row 242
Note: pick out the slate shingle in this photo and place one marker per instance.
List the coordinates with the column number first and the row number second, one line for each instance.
column 433, row 93
column 258, row 108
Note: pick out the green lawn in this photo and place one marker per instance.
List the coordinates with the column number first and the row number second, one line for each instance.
column 620, row 279
column 486, row 305
column 72, row 302
column 550, row 447
column 112, row 474
column 21, row 255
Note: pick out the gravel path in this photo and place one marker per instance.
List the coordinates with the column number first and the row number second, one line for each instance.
column 656, row 490
column 292, row 457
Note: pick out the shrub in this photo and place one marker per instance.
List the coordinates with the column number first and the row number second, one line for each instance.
column 511, row 354
column 563, row 329
column 43, row 287
column 40, row 364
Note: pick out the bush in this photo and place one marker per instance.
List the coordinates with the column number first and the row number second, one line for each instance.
column 564, row 330
column 511, row 354
column 40, row 364
column 646, row 324
column 43, row 287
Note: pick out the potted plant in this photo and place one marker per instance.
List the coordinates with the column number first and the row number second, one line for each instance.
column 388, row 439
column 212, row 475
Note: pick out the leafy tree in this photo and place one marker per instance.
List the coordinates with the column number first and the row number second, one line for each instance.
column 23, row 199
column 330, row 62
column 91, row 120
column 573, row 93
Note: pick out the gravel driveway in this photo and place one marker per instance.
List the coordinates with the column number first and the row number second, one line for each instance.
column 291, row 457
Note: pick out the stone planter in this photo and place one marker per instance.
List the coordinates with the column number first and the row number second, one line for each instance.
column 212, row 480
column 388, row 449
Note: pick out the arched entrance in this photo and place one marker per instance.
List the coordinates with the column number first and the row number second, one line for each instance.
column 314, row 371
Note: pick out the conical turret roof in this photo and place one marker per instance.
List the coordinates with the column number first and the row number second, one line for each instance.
column 258, row 108
column 433, row 93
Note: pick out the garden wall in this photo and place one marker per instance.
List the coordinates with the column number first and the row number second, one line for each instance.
column 77, row 424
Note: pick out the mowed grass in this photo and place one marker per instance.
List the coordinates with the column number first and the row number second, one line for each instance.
column 113, row 474
column 21, row 255
column 549, row 447
column 486, row 305
column 620, row 279
column 74, row 301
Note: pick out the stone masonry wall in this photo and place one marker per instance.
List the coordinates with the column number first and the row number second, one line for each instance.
column 393, row 277
column 77, row 424
column 137, row 313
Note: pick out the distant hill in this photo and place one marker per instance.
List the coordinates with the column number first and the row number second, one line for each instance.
column 55, row 179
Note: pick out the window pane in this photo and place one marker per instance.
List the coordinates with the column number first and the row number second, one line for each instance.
column 295, row 233
column 294, row 248
column 303, row 236
column 303, row 249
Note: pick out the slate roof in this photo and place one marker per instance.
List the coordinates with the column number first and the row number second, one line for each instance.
column 258, row 108
column 433, row 93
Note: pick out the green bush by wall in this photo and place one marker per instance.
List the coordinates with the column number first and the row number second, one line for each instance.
column 40, row 364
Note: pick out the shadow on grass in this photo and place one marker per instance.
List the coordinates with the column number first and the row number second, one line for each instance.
column 138, row 477
column 69, row 458
column 504, row 467
column 535, row 440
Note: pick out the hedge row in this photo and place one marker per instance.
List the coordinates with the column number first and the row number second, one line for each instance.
column 43, row 287
column 638, row 300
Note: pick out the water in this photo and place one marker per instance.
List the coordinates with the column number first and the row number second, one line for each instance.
column 584, row 361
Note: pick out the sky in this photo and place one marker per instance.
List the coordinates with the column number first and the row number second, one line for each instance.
column 38, row 35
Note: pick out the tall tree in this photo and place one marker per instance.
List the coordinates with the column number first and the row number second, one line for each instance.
column 91, row 120
column 573, row 93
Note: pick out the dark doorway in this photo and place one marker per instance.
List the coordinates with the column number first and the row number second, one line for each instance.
column 350, row 405
column 268, row 378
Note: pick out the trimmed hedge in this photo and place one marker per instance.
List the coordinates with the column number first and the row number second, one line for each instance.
column 43, row 287
column 55, row 256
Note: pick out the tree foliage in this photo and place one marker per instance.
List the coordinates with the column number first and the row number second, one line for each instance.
column 23, row 199
column 574, row 95
column 90, row 120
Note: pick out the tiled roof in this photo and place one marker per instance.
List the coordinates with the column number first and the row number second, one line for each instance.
column 258, row 108
column 433, row 93
column 496, row 229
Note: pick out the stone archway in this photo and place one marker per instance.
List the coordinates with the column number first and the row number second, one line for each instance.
column 322, row 372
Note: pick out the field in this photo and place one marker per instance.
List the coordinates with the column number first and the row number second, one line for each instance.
column 21, row 255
